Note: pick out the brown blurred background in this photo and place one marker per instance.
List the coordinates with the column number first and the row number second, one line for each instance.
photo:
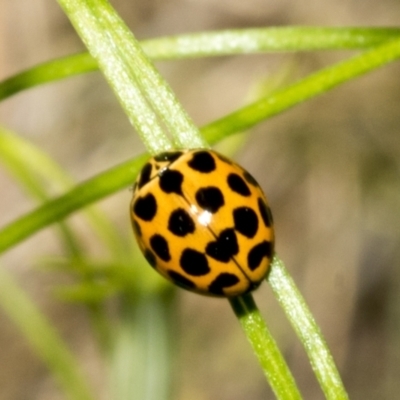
column 330, row 168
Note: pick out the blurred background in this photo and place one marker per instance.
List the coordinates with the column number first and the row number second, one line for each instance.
column 330, row 168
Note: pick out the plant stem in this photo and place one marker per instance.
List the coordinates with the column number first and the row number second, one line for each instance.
column 307, row 88
column 307, row 330
column 82, row 194
column 100, row 38
column 210, row 44
column 265, row 348
column 135, row 81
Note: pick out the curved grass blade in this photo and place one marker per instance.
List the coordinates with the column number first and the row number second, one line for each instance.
column 142, row 92
column 265, row 348
column 99, row 35
column 307, row 330
column 210, row 44
column 156, row 90
column 307, row 88
column 266, row 40
column 82, row 195
column 41, row 176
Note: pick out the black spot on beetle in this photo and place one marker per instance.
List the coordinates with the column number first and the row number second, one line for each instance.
column 180, row 223
column 238, row 185
column 250, row 179
column 160, row 246
column 257, row 253
column 151, row 258
column 253, row 286
column 265, row 212
column 136, row 228
column 202, row 161
column 145, row 175
column 145, row 207
column 194, row 263
column 225, row 247
column 171, row 181
column 222, row 281
column 168, row 156
column 246, row 221
column 210, row 199
column 181, row 280
column 224, row 159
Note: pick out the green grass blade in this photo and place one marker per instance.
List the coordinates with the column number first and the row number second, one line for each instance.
column 155, row 88
column 307, row 330
column 210, row 44
column 265, row 40
column 41, row 176
column 265, row 348
column 50, row 71
column 140, row 364
column 309, row 87
column 43, row 338
column 135, row 81
column 30, row 166
column 107, row 48
column 82, row 195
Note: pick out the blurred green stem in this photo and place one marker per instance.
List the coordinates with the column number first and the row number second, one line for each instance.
column 141, row 358
column 43, row 338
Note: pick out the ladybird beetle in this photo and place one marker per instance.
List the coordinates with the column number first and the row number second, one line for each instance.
column 203, row 222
